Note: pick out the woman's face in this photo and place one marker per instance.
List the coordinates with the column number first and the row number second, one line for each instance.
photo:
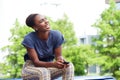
column 41, row 23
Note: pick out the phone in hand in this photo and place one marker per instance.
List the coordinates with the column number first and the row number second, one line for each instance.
column 65, row 62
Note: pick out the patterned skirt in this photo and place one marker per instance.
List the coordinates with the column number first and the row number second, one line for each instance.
column 30, row 72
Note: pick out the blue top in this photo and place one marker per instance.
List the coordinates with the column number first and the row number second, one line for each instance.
column 44, row 48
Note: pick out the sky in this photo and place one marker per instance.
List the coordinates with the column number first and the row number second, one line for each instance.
column 83, row 13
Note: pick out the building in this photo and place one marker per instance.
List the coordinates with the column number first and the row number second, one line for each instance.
column 107, row 1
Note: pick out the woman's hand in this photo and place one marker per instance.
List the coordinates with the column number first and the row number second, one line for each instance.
column 61, row 59
column 58, row 64
column 66, row 64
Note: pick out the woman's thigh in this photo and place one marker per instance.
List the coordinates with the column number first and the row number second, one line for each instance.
column 55, row 72
column 31, row 72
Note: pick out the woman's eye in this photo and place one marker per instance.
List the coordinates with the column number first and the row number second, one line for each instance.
column 41, row 20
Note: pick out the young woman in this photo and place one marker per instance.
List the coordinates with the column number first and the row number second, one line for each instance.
column 43, row 46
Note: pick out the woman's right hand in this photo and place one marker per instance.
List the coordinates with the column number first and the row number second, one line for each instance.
column 58, row 64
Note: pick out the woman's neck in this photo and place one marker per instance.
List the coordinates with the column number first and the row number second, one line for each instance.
column 43, row 35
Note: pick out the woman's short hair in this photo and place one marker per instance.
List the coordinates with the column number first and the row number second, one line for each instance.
column 30, row 20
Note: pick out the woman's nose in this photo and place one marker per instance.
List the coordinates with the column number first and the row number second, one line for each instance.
column 46, row 21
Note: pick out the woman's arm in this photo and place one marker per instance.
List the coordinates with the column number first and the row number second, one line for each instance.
column 58, row 53
column 34, row 57
column 58, row 56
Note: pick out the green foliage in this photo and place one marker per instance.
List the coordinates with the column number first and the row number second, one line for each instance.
column 81, row 56
column 15, row 60
column 108, row 43
column 1, row 69
column 66, row 28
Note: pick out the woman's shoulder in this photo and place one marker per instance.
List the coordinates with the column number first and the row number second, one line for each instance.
column 30, row 35
column 55, row 32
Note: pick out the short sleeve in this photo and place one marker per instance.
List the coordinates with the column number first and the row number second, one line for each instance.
column 59, row 40
column 27, row 42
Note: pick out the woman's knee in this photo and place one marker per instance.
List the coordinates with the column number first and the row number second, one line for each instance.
column 40, row 72
column 70, row 69
column 71, row 66
column 43, row 71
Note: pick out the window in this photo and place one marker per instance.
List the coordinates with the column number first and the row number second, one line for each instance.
column 82, row 40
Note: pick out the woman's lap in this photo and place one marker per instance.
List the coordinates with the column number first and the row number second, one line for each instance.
column 29, row 71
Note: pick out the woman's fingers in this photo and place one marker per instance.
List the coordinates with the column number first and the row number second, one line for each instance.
column 66, row 65
column 60, row 63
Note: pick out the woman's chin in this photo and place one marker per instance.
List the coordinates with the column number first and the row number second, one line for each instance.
column 47, row 29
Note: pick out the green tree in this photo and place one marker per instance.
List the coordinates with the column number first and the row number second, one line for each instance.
column 66, row 28
column 14, row 60
column 81, row 56
column 108, row 43
column 1, row 68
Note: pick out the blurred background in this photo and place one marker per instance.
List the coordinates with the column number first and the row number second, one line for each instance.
column 90, row 27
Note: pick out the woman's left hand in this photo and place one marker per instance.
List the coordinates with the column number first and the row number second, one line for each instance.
column 62, row 61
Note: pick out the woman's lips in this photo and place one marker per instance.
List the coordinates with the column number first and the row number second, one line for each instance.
column 47, row 26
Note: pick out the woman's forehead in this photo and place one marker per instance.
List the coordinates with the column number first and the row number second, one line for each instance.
column 42, row 16
column 39, row 17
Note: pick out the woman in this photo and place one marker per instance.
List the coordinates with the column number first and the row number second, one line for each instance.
column 42, row 46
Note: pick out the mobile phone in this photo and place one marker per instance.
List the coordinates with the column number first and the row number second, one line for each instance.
column 65, row 62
